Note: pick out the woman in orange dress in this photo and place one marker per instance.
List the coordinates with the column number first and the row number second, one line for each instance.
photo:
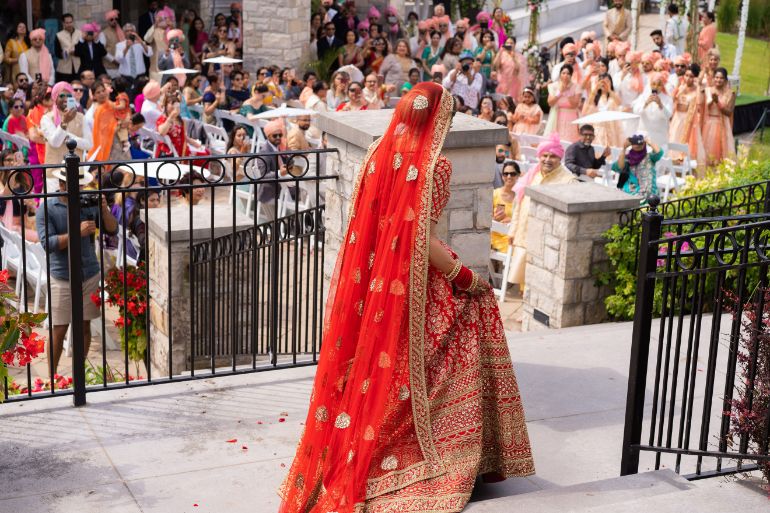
column 718, row 120
column 707, row 36
column 687, row 119
column 414, row 395
column 511, row 69
column 713, row 58
column 564, row 98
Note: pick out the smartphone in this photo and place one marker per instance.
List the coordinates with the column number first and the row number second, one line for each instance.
column 72, row 103
column 38, row 77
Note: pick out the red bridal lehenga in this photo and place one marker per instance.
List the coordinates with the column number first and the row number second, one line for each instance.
column 414, row 395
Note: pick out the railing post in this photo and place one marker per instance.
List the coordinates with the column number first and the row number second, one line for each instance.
column 640, row 339
column 72, row 164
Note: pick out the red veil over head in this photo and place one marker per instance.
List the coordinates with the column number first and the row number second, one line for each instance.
column 375, row 319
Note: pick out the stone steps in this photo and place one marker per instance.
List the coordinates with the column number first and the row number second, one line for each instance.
column 555, row 13
column 573, row 28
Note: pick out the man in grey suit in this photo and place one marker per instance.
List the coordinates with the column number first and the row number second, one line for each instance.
column 270, row 166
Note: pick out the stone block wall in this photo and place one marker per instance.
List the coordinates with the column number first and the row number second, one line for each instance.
column 86, row 11
column 275, row 32
column 564, row 247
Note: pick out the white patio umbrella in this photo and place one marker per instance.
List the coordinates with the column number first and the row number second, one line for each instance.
column 285, row 112
column 222, row 59
column 605, row 116
column 179, row 71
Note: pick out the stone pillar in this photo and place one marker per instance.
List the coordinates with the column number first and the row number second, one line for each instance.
column 469, row 146
column 168, row 255
column 276, row 33
column 86, row 11
column 564, row 246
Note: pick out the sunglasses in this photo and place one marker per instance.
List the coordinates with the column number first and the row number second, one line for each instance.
column 64, row 95
column 77, row 89
column 679, row 65
column 277, row 135
column 18, row 107
column 354, row 90
column 511, row 174
column 587, row 135
column 113, row 19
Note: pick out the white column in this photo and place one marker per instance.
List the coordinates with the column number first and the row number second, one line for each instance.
column 712, row 4
column 634, row 23
column 741, row 39
column 663, row 7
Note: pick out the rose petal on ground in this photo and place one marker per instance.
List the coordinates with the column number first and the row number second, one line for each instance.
column 231, row 441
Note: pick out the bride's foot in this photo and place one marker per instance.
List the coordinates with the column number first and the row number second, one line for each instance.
column 492, row 477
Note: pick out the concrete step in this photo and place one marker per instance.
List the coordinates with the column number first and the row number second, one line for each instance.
column 573, row 28
column 555, row 13
column 585, row 496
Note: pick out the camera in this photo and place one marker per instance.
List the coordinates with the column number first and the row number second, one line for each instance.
column 173, row 46
column 466, row 68
column 654, row 91
column 132, row 37
column 88, row 201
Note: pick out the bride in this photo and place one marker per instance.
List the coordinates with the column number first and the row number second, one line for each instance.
column 414, row 395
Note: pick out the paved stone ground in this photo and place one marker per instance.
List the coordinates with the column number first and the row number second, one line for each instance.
column 223, row 445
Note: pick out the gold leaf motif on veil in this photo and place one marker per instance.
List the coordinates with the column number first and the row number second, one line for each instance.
column 342, row 421
column 371, row 259
column 398, row 159
column 384, row 362
column 403, row 393
column 376, row 285
column 351, row 453
column 378, row 316
column 389, row 463
column 394, row 243
column 357, row 275
column 321, row 414
column 412, row 174
column 352, row 237
column 371, row 168
column 409, row 216
column 397, row 288
column 365, row 386
column 369, row 433
column 360, row 307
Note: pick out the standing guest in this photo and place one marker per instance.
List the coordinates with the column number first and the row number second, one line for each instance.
column 130, row 54
column 110, row 37
column 297, row 137
column 675, row 79
column 61, row 124
column 707, row 36
column 603, row 98
column 338, row 93
column 156, row 38
column 666, row 49
column 717, row 120
column 271, row 167
column 563, row 98
column 346, row 19
column 395, row 67
column 655, row 108
column 713, row 58
column 41, row 104
column 172, row 124
column 465, row 80
column 496, row 25
column 110, row 130
column 77, row 86
column 686, row 122
column 6, row 98
column 90, row 51
column 528, row 114
column 254, row 105
column 16, row 122
column 511, row 69
column 440, row 17
column 453, row 47
column 421, row 39
column 580, row 157
column 375, row 54
column 235, row 25
column 617, row 22
column 351, row 53
column 486, row 109
column 197, row 38
column 549, row 170
column 569, row 52
column 392, row 26
column 88, row 79
column 125, row 203
column 14, row 48
column 463, row 33
column 218, row 46
column 309, row 79
column 174, row 56
column 502, row 203
column 100, row 93
column 214, row 97
column 150, row 108
column 37, row 60
column 636, row 167
column 356, row 98
column 431, row 54
column 147, row 19
column 68, row 63
column 53, row 230
column 329, row 45
column 137, row 227
column 23, row 86
column 486, row 52
column 631, row 80
column 676, row 29
column 502, row 153
column 372, row 93
column 316, row 101
column 363, row 34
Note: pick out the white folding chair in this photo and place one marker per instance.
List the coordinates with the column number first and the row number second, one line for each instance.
column 688, row 164
column 156, row 138
column 217, row 138
column 503, row 258
column 127, row 241
column 39, row 277
column 667, row 180
column 196, row 109
column 529, row 139
column 528, row 153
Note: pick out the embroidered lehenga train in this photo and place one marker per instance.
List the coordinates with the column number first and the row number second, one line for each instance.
column 414, row 395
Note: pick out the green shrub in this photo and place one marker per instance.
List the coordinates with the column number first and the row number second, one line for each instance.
column 727, row 15
column 758, row 24
column 621, row 245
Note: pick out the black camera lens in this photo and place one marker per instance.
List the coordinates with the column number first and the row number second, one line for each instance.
column 466, row 67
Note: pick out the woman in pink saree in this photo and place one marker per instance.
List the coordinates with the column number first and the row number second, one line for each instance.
column 511, row 69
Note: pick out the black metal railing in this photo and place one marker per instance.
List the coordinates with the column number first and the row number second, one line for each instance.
column 707, row 276
column 214, row 291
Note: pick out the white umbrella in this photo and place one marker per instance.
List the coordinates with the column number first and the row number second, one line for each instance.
column 3, row 89
column 285, row 112
column 179, row 71
column 605, row 116
column 355, row 73
column 222, row 59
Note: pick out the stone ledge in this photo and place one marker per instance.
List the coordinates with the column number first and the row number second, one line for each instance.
column 179, row 231
column 363, row 127
column 574, row 198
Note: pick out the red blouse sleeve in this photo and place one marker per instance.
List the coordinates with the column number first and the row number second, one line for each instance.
column 441, row 177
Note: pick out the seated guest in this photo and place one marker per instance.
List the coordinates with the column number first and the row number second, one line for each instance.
column 213, row 98
column 549, row 170
column 17, row 211
column 580, row 157
column 356, row 98
column 150, row 108
column 193, row 196
column 254, row 105
column 238, row 144
column 137, row 227
column 502, row 203
column 172, row 124
column 637, row 167
column 237, row 94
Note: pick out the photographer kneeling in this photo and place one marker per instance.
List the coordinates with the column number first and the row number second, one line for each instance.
column 55, row 240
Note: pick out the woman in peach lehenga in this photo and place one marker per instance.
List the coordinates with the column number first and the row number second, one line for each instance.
column 687, row 119
column 564, row 98
column 528, row 114
column 718, row 120
column 511, row 69
column 602, row 98
column 414, row 395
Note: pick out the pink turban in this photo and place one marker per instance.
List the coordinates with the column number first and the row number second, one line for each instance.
column 151, row 91
column 463, row 22
column 569, row 48
column 90, row 27
column 373, row 13
column 585, row 35
column 634, row 57
column 274, row 127
column 622, row 47
column 58, row 88
column 552, row 145
column 483, row 16
column 39, row 32
column 659, row 77
column 112, row 13
column 364, row 24
column 422, row 25
column 174, row 34
column 391, row 11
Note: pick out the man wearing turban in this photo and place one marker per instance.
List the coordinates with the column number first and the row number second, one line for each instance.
column 90, row 51
column 63, row 123
column 110, row 37
column 549, row 170
column 37, row 60
column 271, row 167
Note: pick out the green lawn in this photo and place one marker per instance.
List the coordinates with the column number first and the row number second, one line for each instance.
column 755, row 70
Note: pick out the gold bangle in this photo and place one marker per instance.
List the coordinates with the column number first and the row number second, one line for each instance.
column 455, row 270
column 474, row 282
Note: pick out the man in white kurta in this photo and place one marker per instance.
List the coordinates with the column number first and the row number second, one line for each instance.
column 675, row 32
